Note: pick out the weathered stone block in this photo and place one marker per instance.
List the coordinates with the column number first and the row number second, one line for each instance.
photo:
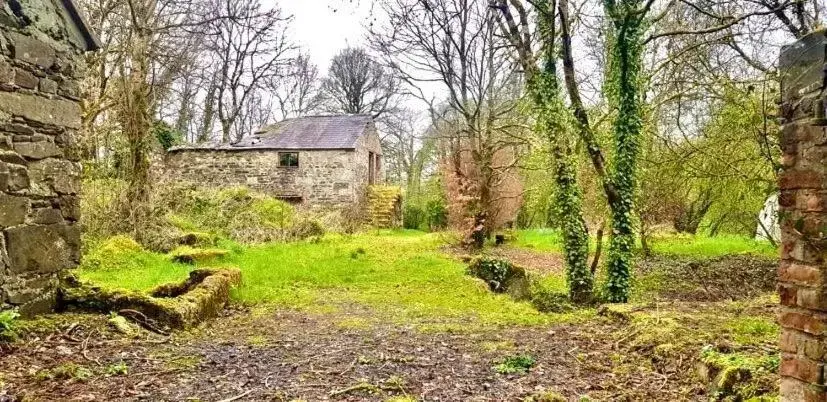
column 802, row 321
column 800, row 273
column 6, row 72
column 18, row 177
column 13, row 210
column 47, row 216
column 25, row 79
column 48, row 86
column 69, row 207
column 42, row 249
column 27, row 290
column 54, row 176
column 58, row 112
column 37, row 150
column 31, row 50
column 17, row 128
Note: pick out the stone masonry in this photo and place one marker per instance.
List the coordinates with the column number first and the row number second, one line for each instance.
column 324, row 178
column 41, row 43
column 803, row 215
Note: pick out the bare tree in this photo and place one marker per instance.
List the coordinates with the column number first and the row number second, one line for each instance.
column 452, row 44
column 358, row 84
column 297, row 92
column 248, row 50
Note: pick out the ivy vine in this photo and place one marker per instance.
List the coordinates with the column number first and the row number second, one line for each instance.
column 553, row 120
column 623, row 85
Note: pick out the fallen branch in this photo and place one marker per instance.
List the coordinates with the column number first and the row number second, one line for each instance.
column 362, row 386
column 142, row 320
column 237, row 397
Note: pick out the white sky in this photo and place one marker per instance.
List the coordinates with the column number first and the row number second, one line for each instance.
column 323, row 27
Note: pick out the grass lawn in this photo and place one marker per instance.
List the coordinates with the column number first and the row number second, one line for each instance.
column 549, row 240
column 401, row 274
column 393, row 289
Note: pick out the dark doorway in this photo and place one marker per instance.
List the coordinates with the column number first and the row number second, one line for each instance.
column 371, row 168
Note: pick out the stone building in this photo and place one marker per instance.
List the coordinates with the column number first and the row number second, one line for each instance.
column 317, row 161
column 41, row 44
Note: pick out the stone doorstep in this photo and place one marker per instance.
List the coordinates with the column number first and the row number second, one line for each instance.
column 175, row 305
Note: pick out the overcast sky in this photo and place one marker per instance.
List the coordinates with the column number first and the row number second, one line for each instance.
column 323, row 27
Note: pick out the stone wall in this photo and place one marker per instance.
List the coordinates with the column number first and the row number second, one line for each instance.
column 40, row 68
column 803, row 215
column 323, row 178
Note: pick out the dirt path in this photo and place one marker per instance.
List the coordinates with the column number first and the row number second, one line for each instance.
column 290, row 355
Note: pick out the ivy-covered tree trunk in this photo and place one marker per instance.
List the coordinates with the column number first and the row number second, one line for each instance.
column 552, row 121
column 623, row 86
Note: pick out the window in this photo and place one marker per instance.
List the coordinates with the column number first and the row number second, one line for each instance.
column 288, row 159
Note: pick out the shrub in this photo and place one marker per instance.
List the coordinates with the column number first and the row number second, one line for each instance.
column 413, row 217
column 306, row 227
column 516, row 364
column 437, row 215
column 548, row 300
column 7, row 325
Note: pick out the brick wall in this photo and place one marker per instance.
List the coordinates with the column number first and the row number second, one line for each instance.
column 803, row 213
column 40, row 68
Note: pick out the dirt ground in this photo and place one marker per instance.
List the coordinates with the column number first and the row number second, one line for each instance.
column 268, row 354
column 283, row 356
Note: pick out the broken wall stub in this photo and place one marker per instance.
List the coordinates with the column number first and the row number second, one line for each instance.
column 41, row 64
column 803, row 215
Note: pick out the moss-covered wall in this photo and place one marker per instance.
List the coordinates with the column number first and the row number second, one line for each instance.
column 40, row 69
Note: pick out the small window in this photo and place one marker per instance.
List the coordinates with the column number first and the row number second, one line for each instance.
column 288, row 159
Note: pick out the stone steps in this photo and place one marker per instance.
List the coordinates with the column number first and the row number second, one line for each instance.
column 382, row 206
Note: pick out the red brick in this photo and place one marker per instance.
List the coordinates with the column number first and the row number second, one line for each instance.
column 799, row 273
column 789, row 341
column 801, row 321
column 803, row 369
column 804, row 178
column 815, row 393
column 788, row 294
column 811, row 200
column 811, row 299
column 795, row 390
column 787, row 199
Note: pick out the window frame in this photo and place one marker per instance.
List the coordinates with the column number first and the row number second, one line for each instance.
column 281, row 154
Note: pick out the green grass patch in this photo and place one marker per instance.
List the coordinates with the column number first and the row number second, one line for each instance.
column 701, row 246
column 402, row 275
column 549, row 240
column 120, row 263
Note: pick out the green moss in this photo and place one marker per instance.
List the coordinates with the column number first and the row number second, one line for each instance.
column 741, row 376
column 191, row 255
column 64, row 372
column 178, row 305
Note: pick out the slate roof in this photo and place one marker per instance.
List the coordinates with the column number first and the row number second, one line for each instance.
column 90, row 40
column 311, row 132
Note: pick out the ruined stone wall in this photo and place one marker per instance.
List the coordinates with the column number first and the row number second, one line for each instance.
column 324, row 178
column 803, row 215
column 40, row 68
column 367, row 144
